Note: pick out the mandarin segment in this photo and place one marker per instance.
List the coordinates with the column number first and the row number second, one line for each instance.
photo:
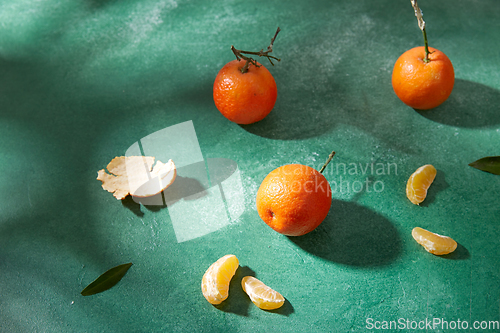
column 215, row 281
column 434, row 243
column 419, row 182
column 261, row 295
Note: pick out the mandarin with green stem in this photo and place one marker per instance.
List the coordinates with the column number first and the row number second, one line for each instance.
column 423, row 77
column 294, row 199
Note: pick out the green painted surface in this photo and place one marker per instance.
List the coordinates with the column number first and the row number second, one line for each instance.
column 82, row 81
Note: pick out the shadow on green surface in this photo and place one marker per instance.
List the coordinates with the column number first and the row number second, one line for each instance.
column 461, row 253
column 98, row 4
column 237, row 302
column 133, row 206
column 353, row 235
column 312, row 107
column 300, row 114
column 470, row 104
column 292, row 124
column 285, row 310
column 183, row 188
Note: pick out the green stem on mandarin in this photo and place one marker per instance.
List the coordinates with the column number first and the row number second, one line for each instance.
column 421, row 25
column 240, row 54
column 426, row 58
column 327, row 161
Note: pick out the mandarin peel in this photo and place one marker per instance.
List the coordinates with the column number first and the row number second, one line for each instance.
column 136, row 176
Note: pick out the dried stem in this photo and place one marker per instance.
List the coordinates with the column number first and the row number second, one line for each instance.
column 327, row 161
column 240, row 54
column 421, row 25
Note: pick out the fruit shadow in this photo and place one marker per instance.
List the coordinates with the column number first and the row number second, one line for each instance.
column 460, row 253
column 302, row 114
column 238, row 301
column 285, row 310
column 292, row 119
column 183, row 188
column 353, row 235
column 439, row 184
column 470, row 104
column 98, row 4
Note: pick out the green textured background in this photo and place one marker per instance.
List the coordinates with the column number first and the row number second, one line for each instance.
column 82, row 80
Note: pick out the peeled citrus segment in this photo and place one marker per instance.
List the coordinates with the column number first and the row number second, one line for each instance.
column 434, row 243
column 261, row 295
column 419, row 182
column 135, row 175
column 215, row 281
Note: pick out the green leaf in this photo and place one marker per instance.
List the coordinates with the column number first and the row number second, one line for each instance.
column 106, row 280
column 489, row 164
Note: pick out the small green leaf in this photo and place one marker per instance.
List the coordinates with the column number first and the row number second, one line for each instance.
column 106, row 280
column 489, row 164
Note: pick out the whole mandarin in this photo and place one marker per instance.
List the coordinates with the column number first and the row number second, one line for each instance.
column 294, row 199
column 244, row 98
column 423, row 85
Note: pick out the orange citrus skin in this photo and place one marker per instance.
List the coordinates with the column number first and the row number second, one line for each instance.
column 244, row 98
column 294, row 199
column 421, row 85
